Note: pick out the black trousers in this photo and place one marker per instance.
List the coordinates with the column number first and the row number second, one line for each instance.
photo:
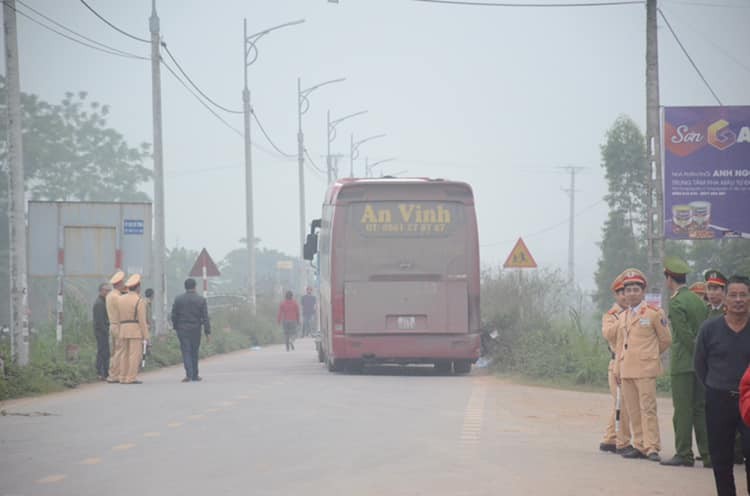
column 102, row 354
column 722, row 422
column 190, row 343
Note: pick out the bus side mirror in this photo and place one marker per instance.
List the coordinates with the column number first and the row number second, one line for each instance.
column 311, row 246
column 315, row 224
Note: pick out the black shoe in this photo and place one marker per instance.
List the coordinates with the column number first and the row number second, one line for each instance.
column 622, row 451
column 197, row 378
column 633, row 454
column 607, row 447
column 185, row 379
column 678, row 461
column 654, row 457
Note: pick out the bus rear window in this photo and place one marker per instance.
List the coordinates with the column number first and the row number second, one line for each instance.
column 412, row 219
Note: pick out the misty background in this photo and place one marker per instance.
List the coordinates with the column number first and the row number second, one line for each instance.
column 498, row 97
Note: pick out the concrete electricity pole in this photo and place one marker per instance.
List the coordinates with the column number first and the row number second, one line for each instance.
column 159, row 249
column 19, row 315
column 248, row 47
column 303, row 105
column 331, row 134
column 655, row 208
column 572, row 222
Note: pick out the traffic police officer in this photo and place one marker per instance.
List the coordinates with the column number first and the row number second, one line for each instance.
column 699, row 288
column 113, row 314
column 686, row 314
column 716, row 284
column 133, row 330
column 616, row 441
column 642, row 337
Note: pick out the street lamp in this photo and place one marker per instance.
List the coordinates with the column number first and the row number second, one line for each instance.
column 303, row 105
column 370, row 166
column 332, row 136
column 249, row 46
column 354, row 150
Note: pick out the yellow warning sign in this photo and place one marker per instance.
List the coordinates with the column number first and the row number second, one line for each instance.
column 520, row 257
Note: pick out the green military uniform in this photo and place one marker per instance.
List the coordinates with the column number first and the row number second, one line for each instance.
column 686, row 314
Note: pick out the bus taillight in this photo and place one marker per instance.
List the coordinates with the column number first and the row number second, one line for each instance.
column 337, row 314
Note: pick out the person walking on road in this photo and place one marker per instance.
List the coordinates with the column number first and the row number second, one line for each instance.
column 113, row 315
column 643, row 337
column 722, row 355
column 133, row 330
column 189, row 315
column 686, row 314
column 288, row 318
column 615, row 441
column 101, row 332
column 309, row 308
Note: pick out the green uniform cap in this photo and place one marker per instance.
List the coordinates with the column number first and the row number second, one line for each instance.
column 676, row 265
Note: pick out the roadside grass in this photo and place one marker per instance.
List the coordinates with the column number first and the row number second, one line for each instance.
column 56, row 366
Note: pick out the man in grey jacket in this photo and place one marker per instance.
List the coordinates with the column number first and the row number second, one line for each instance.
column 189, row 314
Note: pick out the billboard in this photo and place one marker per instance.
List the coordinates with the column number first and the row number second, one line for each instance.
column 89, row 239
column 706, row 157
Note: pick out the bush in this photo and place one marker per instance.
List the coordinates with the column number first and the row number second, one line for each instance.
column 50, row 369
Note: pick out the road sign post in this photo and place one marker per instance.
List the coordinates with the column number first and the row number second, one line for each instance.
column 204, row 267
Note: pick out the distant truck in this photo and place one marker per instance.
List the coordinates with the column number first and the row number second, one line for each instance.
column 399, row 274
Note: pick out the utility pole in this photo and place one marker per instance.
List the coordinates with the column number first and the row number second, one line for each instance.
column 331, row 135
column 354, row 150
column 301, row 174
column 159, row 249
column 19, row 315
column 655, row 209
column 250, row 228
column 572, row 222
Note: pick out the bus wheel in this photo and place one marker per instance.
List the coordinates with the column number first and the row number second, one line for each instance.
column 462, row 366
column 334, row 365
column 443, row 367
column 321, row 353
column 355, row 367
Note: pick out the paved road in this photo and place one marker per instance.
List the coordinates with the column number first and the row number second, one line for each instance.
column 275, row 423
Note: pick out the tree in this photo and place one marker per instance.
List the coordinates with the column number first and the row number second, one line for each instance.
column 69, row 153
column 627, row 174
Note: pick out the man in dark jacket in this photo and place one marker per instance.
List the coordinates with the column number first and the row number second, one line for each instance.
column 189, row 314
column 101, row 332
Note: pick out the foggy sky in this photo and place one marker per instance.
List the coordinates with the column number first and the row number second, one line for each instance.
column 497, row 97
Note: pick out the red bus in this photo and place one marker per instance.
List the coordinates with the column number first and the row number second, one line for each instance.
column 398, row 267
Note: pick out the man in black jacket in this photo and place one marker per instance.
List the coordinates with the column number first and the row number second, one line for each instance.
column 101, row 332
column 189, row 314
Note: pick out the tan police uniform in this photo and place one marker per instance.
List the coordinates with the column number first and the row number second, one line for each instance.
column 113, row 314
column 642, row 337
column 133, row 331
column 621, row 438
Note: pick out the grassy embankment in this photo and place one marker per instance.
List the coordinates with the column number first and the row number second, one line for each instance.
column 57, row 366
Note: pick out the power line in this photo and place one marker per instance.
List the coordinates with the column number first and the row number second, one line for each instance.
column 705, row 4
column 268, row 138
column 76, row 33
column 195, row 95
column 112, row 25
column 110, row 51
column 717, row 46
column 213, row 112
column 536, row 5
column 179, row 67
column 684, row 50
column 550, row 228
column 312, row 162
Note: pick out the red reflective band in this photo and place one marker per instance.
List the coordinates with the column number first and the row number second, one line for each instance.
column 60, row 256
column 337, row 314
column 118, row 259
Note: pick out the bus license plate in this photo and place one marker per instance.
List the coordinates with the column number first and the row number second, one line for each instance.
column 407, row 323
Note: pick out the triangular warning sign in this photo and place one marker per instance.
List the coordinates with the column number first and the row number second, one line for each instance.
column 520, row 257
column 204, row 260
